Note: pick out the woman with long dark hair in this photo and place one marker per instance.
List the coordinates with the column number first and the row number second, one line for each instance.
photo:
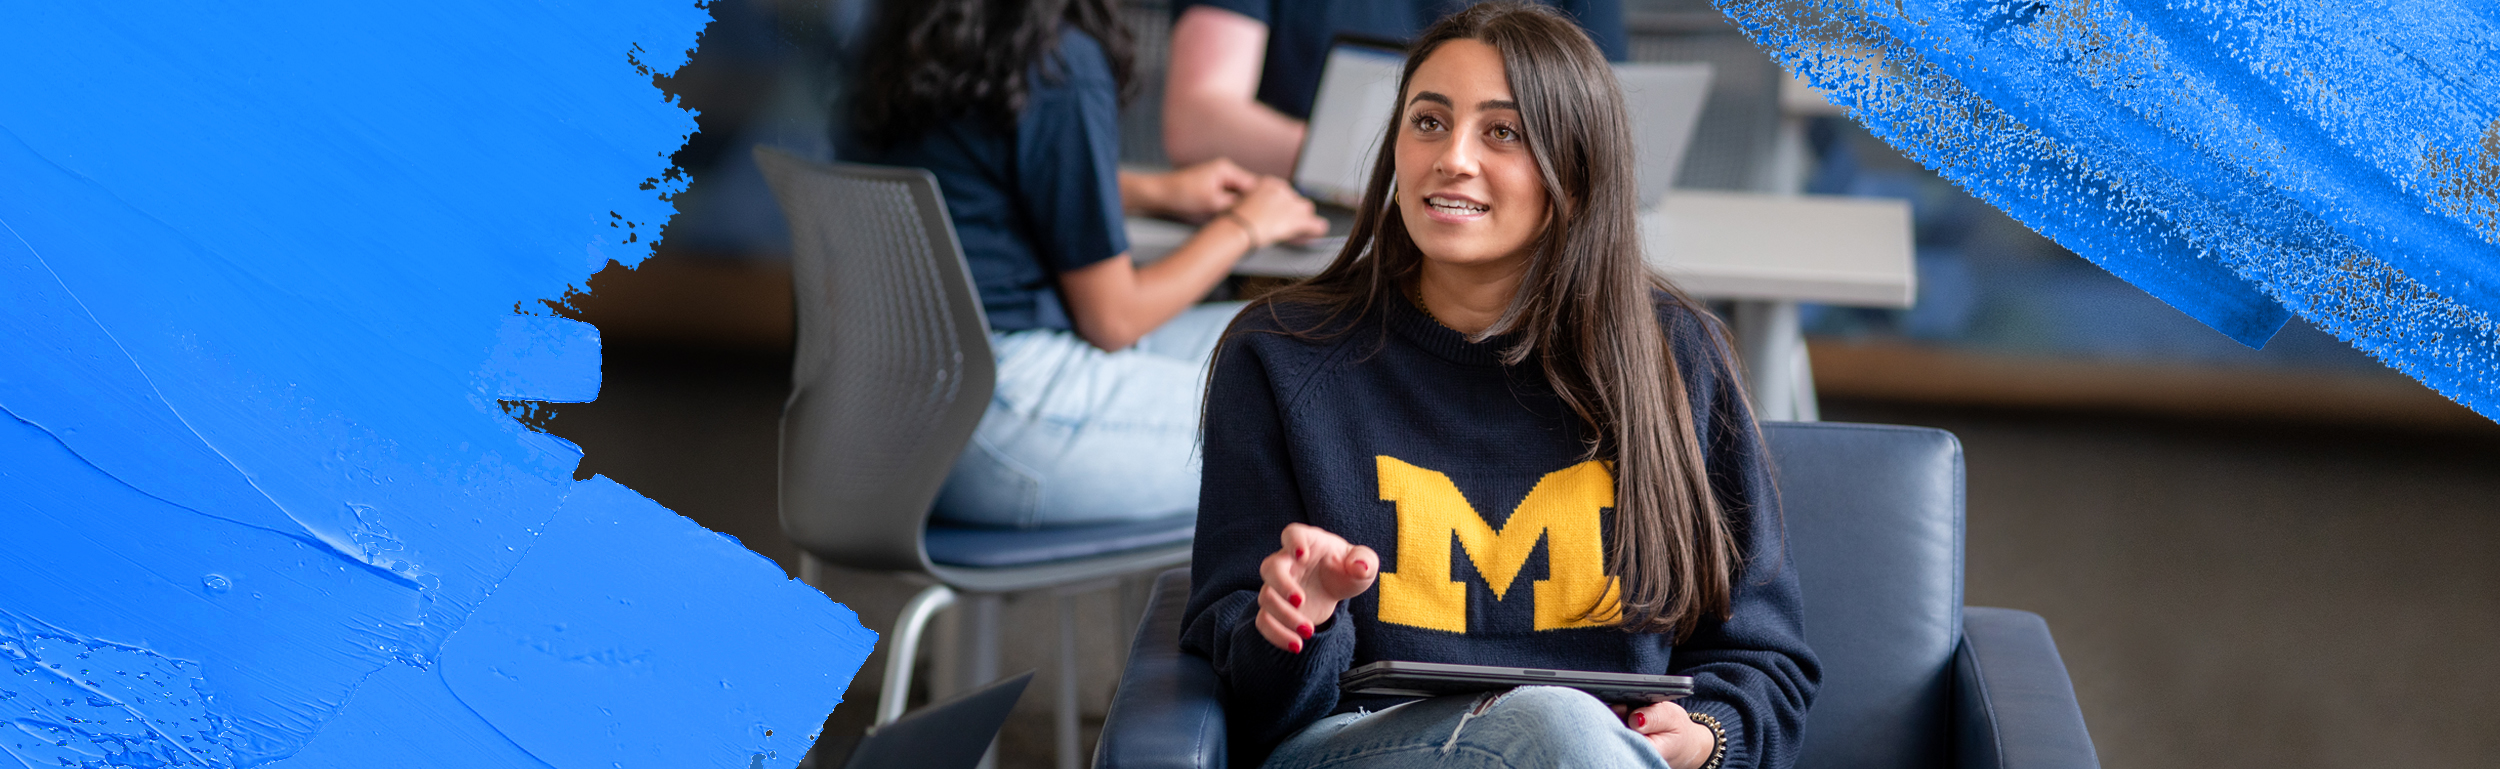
column 1487, row 434
column 1014, row 105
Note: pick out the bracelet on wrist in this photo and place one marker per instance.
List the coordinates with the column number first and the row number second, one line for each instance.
column 1247, row 231
column 1718, row 750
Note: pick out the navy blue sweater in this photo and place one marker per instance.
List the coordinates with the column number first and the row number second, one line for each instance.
column 1397, row 431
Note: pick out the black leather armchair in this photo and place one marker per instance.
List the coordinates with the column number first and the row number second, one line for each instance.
column 1911, row 678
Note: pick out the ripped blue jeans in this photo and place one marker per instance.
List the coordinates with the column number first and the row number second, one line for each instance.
column 1531, row 726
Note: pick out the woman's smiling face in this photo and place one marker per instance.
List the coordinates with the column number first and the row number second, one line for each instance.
column 1468, row 190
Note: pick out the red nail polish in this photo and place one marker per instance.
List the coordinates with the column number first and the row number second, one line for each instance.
column 1306, row 629
column 1639, row 720
column 1297, row 647
column 1297, row 552
column 1295, row 599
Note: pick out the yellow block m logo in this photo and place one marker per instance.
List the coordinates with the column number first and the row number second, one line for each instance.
column 1563, row 508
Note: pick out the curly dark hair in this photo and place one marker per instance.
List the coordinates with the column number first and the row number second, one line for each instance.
column 935, row 60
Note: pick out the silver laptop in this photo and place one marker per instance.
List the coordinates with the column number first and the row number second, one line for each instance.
column 1358, row 92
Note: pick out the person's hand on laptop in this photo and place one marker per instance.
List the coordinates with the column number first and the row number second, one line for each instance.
column 1192, row 193
column 1274, row 214
column 1306, row 578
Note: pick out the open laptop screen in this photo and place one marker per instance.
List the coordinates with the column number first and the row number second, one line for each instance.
column 1358, row 92
column 1664, row 102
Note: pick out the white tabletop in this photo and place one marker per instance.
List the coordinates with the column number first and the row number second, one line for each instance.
column 1153, row 239
column 1716, row 245
column 1806, row 248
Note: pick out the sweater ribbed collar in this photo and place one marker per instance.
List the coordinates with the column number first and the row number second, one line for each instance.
column 1417, row 327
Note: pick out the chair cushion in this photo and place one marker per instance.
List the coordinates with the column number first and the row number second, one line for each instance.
column 1874, row 518
column 988, row 548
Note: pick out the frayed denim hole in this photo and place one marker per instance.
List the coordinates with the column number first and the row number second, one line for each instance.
column 1484, row 702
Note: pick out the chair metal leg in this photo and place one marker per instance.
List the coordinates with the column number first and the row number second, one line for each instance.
column 1809, row 406
column 906, row 648
column 980, row 626
column 1067, row 714
column 979, row 623
column 1770, row 344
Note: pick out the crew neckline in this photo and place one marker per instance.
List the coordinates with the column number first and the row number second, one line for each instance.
column 1418, row 327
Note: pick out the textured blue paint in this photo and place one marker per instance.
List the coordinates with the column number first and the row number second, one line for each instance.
column 531, row 661
column 544, row 359
column 2241, row 160
column 266, row 274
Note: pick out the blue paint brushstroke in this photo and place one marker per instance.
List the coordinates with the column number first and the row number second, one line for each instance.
column 528, row 660
column 2241, row 161
column 80, row 703
column 407, row 718
column 266, row 279
column 538, row 358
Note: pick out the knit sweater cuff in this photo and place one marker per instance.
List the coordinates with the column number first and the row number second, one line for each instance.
column 1739, row 750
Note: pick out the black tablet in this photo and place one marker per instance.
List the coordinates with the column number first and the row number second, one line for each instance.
column 1433, row 679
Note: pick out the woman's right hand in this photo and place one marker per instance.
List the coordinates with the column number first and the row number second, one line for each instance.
column 1306, row 578
column 1277, row 214
column 1201, row 190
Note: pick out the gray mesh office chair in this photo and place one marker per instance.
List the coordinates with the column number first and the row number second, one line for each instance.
column 892, row 371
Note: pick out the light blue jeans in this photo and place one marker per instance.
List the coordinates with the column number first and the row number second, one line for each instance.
column 1077, row 435
column 1531, row 726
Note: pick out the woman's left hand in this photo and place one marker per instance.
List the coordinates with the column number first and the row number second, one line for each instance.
column 1682, row 742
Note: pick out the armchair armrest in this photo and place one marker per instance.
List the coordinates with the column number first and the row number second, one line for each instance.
column 1168, row 712
column 2013, row 706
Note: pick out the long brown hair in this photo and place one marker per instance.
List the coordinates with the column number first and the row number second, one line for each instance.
column 1583, row 312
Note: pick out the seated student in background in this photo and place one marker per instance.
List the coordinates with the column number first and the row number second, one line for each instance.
column 1486, row 434
column 1244, row 72
column 1014, row 105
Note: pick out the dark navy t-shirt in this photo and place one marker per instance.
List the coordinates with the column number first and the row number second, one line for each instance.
column 1032, row 202
column 1299, row 32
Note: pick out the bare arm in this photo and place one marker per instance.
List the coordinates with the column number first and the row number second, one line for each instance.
column 1114, row 303
column 1210, row 96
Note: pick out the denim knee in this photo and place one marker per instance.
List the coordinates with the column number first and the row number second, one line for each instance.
column 1554, row 726
column 1553, row 709
column 1537, row 726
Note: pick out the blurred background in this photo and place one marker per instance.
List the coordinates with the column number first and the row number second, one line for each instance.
column 2250, row 558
